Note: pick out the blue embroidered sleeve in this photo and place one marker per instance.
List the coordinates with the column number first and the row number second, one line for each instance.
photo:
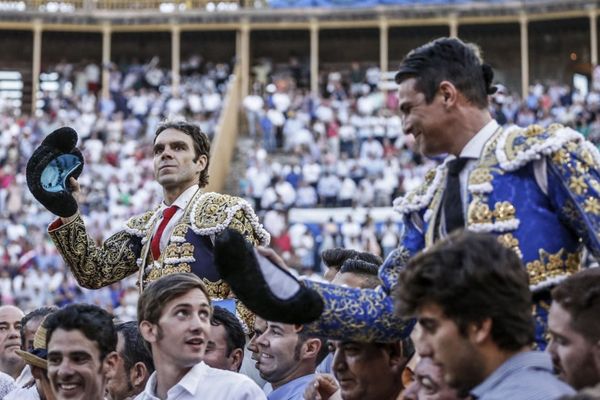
column 574, row 188
column 362, row 315
column 367, row 315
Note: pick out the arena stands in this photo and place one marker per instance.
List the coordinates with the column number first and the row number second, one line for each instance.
column 322, row 130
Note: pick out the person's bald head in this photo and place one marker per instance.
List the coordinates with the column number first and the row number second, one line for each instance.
column 10, row 340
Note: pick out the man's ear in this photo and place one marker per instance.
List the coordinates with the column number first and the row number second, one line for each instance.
column 595, row 349
column 312, row 347
column 237, row 356
column 37, row 372
column 202, row 161
column 148, row 331
column 479, row 332
column 110, row 364
column 449, row 93
column 139, row 374
column 396, row 354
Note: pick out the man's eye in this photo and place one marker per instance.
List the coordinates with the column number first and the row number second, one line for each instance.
column 53, row 360
column 181, row 313
column 559, row 340
column 429, row 386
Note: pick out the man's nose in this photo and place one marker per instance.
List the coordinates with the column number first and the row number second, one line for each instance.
column 65, row 369
column 197, row 324
column 422, row 344
column 551, row 349
column 338, row 363
column 14, row 333
column 261, row 341
column 406, row 125
column 167, row 152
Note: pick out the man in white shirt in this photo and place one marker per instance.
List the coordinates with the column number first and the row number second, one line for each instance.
column 174, row 316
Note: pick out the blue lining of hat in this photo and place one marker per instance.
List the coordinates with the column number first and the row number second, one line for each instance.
column 54, row 176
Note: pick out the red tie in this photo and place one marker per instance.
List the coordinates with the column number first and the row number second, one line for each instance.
column 155, row 244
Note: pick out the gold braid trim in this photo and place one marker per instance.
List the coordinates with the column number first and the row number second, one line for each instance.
column 211, row 213
column 95, row 266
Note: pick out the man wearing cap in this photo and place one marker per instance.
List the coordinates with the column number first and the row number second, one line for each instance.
column 35, row 358
column 175, row 236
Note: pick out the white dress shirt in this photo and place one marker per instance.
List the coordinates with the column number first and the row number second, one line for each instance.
column 30, row 393
column 204, row 382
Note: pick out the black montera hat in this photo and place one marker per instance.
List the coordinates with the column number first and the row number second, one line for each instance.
column 49, row 169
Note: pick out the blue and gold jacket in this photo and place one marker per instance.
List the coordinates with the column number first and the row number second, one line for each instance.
column 190, row 246
column 547, row 226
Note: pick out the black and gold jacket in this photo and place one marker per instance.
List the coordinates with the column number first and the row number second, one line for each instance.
column 189, row 248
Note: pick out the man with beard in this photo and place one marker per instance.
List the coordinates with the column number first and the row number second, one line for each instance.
column 471, row 298
column 134, row 365
column 574, row 325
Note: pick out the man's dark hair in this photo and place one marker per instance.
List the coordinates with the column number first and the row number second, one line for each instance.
column 452, row 60
column 95, row 323
column 472, row 277
column 234, row 333
column 365, row 269
column 134, row 349
column 37, row 314
column 335, row 258
column 579, row 295
column 368, row 257
column 201, row 142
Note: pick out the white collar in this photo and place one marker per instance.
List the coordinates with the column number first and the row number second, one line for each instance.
column 184, row 198
column 189, row 382
column 475, row 146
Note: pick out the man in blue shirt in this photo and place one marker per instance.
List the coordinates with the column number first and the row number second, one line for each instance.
column 471, row 298
column 287, row 359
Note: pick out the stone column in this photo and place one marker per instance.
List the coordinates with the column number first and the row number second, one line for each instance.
column 314, row 57
column 383, row 45
column 453, row 24
column 175, row 57
column 593, row 37
column 106, row 36
column 524, row 55
column 243, row 56
column 37, row 63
